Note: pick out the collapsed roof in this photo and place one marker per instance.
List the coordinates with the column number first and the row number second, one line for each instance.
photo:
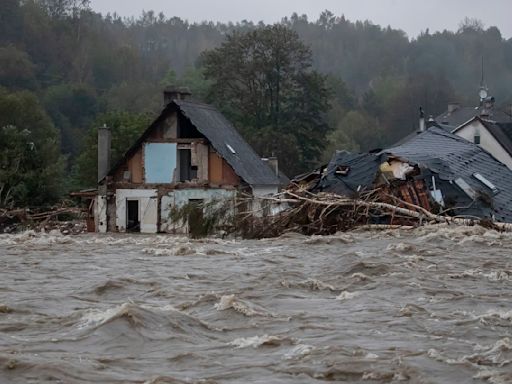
column 468, row 177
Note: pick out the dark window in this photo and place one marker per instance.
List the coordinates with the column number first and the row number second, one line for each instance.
column 185, row 164
column 476, row 139
column 187, row 130
column 188, row 172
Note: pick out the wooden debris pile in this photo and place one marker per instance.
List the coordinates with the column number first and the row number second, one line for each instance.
column 327, row 213
column 66, row 219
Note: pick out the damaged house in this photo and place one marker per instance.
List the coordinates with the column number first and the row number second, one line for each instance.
column 191, row 154
column 433, row 170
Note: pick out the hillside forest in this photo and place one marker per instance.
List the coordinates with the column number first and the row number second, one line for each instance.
column 66, row 70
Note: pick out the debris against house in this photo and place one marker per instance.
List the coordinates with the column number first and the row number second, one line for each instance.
column 434, row 177
column 190, row 156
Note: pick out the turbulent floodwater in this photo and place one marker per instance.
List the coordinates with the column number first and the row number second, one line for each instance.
column 432, row 305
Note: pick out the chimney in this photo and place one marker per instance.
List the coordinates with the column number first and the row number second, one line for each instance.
column 452, row 107
column 104, row 142
column 272, row 163
column 175, row 93
column 421, row 127
column 487, row 106
column 431, row 121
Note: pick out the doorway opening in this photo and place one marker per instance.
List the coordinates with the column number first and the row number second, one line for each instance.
column 196, row 227
column 132, row 216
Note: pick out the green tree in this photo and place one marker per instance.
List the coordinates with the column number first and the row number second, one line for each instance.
column 16, row 69
column 264, row 81
column 10, row 21
column 125, row 129
column 31, row 166
column 193, row 78
column 355, row 131
column 72, row 107
column 61, row 8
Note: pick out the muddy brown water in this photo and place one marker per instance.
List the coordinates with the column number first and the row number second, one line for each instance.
column 431, row 305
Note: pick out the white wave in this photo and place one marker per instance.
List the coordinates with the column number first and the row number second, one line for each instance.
column 346, row 295
column 96, row 317
column 499, row 275
column 495, row 315
column 435, row 354
column 360, row 276
column 494, row 376
column 401, row 247
column 299, row 351
column 180, row 250
column 232, row 302
column 316, row 285
column 256, row 341
column 341, row 238
column 466, row 273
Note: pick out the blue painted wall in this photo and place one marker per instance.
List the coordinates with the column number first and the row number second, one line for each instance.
column 159, row 162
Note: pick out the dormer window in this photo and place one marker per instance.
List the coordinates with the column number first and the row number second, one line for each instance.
column 476, row 138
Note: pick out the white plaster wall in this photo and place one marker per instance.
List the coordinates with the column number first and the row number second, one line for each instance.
column 487, row 141
column 181, row 197
column 147, row 208
column 148, row 215
column 262, row 207
column 100, row 214
column 264, row 190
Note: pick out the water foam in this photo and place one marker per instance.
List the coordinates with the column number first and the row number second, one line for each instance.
column 346, row 295
column 232, row 302
column 299, row 350
column 257, row 341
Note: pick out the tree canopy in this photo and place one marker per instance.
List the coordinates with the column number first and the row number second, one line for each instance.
column 31, row 166
column 264, row 82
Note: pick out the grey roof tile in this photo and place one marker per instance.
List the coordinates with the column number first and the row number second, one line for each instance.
column 463, row 114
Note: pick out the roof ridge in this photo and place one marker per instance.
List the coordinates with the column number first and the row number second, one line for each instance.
column 196, row 103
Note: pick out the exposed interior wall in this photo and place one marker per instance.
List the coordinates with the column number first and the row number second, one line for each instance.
column 487, row 141
column 215, row 168
column 200, row 159
column 131, row 171
column 220, row 172
column 160, row 162
column 170, row 126
column 135, row 167
column 148, row 213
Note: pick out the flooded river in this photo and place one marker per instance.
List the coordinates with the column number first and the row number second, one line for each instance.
column 431, row 305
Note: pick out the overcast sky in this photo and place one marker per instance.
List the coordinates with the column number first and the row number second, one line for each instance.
column 412, row 16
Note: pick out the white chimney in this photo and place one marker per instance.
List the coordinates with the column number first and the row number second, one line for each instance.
column 421, row 127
